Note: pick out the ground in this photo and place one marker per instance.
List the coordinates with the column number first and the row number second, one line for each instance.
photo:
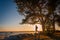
column 54, row 36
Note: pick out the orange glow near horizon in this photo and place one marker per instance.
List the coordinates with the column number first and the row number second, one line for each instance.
column 26, row 27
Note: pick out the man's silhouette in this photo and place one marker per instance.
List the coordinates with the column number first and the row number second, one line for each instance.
column 36, row 28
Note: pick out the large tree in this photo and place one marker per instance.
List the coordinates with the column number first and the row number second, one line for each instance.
column 39, row 11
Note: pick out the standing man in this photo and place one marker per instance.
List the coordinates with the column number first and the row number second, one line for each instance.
column 35, row 36
column 36, row 28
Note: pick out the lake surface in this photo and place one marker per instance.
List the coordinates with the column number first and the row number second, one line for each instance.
column 7, row 34
column 15, row 33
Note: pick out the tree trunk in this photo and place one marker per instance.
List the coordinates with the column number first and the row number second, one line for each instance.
column 53, row 23
column 43, row 27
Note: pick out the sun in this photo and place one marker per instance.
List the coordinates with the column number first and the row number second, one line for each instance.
column 39, row 27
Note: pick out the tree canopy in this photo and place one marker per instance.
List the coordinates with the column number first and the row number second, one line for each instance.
column 45, row 12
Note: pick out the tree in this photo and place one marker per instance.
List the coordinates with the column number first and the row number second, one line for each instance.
column 39, row 11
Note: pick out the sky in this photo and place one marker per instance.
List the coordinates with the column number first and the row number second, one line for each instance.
column 10, row 18
column 8, row 12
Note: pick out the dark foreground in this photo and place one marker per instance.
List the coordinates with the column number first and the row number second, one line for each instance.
column 55, row 36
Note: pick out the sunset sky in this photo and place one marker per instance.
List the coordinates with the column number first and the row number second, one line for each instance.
column 10, row 18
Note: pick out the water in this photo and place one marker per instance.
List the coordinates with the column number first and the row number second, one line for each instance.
column 7, row 34
column 22, row 32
